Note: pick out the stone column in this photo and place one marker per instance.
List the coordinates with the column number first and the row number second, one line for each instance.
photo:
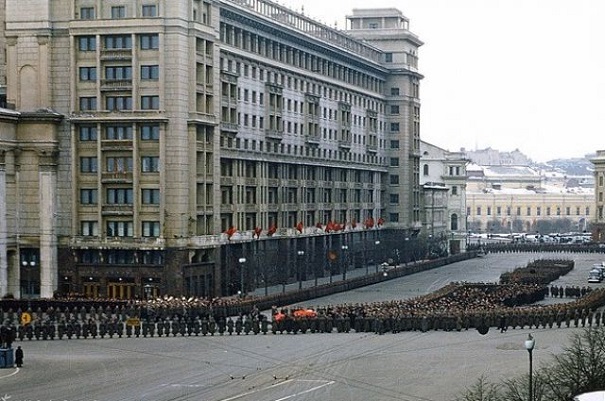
column 3, row 235
column 48, row 237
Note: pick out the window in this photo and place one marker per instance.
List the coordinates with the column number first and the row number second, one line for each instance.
column 478, row 210
column 425, row 169
column 454, row 190
column 150, row 72
column 89, row 228
column 118, row 72
column 150, row 132
column 119, row 164
column 394, row 217
column 394, row 127
column 118, row 132
column 117, row 103
column 88, row 103
column 87, row 13
column 394, row 109
column 150, row 102
column 151, row 229
column 119, row 229
column 489, row 210
column 538, row 211
column 150, row 164
column 149, row 10
column 394, row 162
column 454, row 222
column 394, row 179
column 394, row 144
column 87, row 133
column 394, row 91
column 149, row 41
column 88, row 73
column 118, row 12
column 388, row 57
column 119, row 196
column 88, row 164
column 117, row 42
column 394, row 198
column 88, row 196
column 87, row 43
column 150, row 196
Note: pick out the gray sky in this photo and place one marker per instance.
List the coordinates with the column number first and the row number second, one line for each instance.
column 505, row 74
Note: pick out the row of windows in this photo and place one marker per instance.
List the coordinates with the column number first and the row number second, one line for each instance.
column 148, row 132
column 121, row 256
column 120, row 103
column 119, row 12
column 300, row 85
column 149, row 164
column 147, row 41
column 120, row 228
column 558, row 211
column 120, row 196
column 115, row 73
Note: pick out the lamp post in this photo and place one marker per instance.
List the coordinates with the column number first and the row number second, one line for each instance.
column 344, row 261
column 377, row 243
column 301, row 254
column 241, row 275
column 529, row 346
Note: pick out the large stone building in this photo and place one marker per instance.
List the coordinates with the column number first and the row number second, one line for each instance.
column 201, row 147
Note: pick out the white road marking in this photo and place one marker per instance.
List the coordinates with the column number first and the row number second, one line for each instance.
column 306, row 391
column 324, row 384
column 10, row 374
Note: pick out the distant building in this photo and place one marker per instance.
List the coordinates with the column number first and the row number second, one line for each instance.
column 493, row 157
column 598, row 220
column 507, row 199
column 443, row 178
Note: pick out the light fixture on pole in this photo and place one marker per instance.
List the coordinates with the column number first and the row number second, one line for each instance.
column 241, row 275
column 344, row 261
column 529, row 346
column 377, row 243
column 300, row 253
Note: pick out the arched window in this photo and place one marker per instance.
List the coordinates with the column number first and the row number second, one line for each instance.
column 425, row 170
column 454, row 222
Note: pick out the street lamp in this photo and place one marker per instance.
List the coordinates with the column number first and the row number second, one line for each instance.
column 529, row 346
column 241, row 275
column 377, row 243
column 300, row 253
column 344, row 262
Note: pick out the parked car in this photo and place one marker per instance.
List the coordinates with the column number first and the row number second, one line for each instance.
column 595, row 276
column 592, row 396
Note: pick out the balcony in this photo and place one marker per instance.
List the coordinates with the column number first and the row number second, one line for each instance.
column 344, row 143
column 116, row 177
column 229, row 127
column 372, row 148
column 203, row 118
column 108, row 144
column 274, row 134
column 116, row 54
column 116, row 85
column 117, row 210
column 313, row 139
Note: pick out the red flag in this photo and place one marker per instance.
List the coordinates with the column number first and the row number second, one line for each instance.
column 369, row 222
column 300, row 227
column 232, row 230
column 336, row 227
column 271, row 230
column 380, row 221
column 257, row 232
column 353, row 224
column 329, row 226
column 318, row 225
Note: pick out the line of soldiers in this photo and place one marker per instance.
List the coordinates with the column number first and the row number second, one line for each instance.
column 454, row 307
column 568, row 292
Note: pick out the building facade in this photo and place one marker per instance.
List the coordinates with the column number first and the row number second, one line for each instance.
column 193, row 147
column 443, row 178
column 598, row 221
column 516, row 199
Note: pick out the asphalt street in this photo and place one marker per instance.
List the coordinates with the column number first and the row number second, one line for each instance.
column 341, row 367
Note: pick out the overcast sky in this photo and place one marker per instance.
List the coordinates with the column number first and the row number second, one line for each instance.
column 505, row 74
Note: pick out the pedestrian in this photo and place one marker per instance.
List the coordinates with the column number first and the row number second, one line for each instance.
column 19, row 357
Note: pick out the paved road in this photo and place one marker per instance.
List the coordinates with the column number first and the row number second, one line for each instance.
column 340, row 367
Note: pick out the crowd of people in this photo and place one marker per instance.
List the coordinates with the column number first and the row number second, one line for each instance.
column 458, row 306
